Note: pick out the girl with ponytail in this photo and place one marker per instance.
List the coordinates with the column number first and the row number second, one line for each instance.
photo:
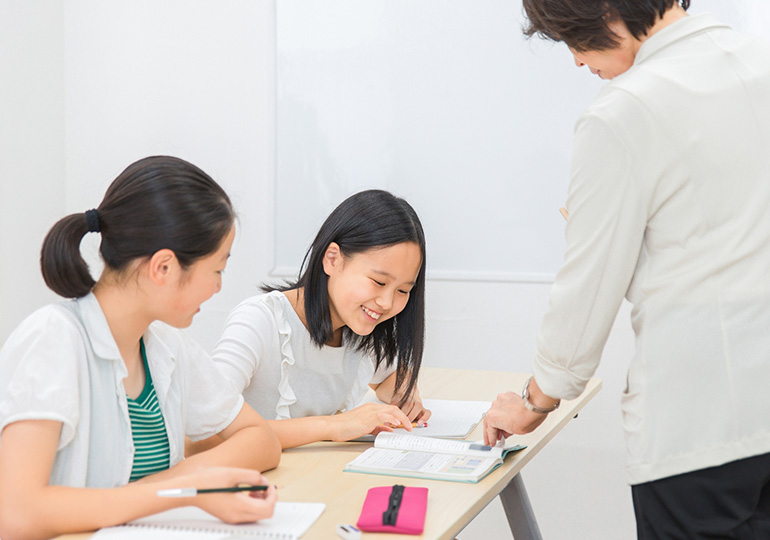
column 100, row 391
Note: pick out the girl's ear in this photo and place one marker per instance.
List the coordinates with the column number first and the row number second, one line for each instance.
column 162, row 266
column 332, row 259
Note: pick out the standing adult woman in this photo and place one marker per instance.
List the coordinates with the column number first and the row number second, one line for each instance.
column 668, row 207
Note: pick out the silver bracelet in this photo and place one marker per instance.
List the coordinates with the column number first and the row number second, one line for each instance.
column 535, row 408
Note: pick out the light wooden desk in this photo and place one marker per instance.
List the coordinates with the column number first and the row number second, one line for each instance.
column 314, row 472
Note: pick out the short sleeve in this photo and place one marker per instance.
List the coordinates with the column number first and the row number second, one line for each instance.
column 382, row 373
column 249, row 329
column 211, row 402
column 40, row 367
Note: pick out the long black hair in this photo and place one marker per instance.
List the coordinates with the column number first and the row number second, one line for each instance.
column 156, row 203
column 368, row 220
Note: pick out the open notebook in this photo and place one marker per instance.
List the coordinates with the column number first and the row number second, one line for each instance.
column 289, row 522
column 450, row 419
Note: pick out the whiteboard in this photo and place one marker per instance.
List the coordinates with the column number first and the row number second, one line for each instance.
column 442, row 102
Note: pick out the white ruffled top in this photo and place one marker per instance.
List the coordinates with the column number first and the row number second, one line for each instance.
column 266, row 352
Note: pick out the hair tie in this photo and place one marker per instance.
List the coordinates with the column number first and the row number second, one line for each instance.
column 92, row 219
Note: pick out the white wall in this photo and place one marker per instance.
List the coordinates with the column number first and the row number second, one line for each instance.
column 31, row 149
column 187, row 78
column 88, row 86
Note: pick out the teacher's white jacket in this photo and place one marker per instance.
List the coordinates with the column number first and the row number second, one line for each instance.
column 669, row 206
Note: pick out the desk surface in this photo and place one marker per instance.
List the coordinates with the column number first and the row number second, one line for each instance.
column 314, row 472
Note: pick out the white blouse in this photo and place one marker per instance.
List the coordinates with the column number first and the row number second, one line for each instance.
column 62, row 364
column 266, row 352
column 668, row 204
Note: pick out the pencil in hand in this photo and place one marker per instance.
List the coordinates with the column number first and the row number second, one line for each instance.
column 414, row 425
column 192, row 492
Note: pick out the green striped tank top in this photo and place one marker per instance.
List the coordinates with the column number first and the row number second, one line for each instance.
column 151, row 450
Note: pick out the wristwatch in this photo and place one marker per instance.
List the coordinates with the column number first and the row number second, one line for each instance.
column 535, row 408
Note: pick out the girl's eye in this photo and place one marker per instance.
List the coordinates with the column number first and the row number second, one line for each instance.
column 378, row 282
column 404, row 292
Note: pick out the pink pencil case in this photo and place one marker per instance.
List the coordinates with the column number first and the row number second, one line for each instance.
column 394, row 509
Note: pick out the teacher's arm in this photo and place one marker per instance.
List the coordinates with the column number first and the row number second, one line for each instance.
column 607, row 220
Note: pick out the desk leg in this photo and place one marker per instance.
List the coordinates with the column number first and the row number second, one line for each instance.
column 519, row 512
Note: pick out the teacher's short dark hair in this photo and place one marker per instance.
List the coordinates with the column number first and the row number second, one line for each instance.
column 368, row 220
column 583, row 24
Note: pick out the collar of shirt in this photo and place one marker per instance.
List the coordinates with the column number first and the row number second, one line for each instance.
column 105, row 348
column 97, row 329
column 685, row 27
column 156, row 349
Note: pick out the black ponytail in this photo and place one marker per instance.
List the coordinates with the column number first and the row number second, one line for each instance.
column 156, row 203
column 64, row 270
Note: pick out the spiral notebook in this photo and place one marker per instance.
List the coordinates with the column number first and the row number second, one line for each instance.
column 289, row 522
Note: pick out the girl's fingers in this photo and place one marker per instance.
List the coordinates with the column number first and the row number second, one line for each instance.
column 404, row 422
column 423, row 416
column 409, row 411
column 380, row 428
column 415, row 411
column 398, row 418
column 270, row 496
column 247, row 476
column 269, row 493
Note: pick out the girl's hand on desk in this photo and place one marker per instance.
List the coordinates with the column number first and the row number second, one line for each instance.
column 413, row 408
column 366, row 419
column 386, row 391
column 242, row 507
column 509, row 416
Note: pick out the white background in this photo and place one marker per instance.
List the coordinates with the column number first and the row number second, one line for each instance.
column 87, row 87
column 440, row 101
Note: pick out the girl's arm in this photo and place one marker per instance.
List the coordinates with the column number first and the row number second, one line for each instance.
column 363, row 420
column 32, row 509
column 386, row 391
column 292, row 432
column 247, row 442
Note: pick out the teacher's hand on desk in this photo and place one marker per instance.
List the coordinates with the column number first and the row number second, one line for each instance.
column 509, row 414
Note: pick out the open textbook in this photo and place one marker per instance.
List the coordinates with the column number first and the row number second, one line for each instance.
column 289, row 522
column 450, row 418
column 397, row 454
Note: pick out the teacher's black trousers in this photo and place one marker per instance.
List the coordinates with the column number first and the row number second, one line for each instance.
column 729, row 502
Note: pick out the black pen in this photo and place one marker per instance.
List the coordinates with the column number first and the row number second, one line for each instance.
column 192, row 492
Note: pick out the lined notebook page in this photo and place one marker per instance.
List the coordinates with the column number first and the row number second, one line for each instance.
column 452, row 418
column 289, row 522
